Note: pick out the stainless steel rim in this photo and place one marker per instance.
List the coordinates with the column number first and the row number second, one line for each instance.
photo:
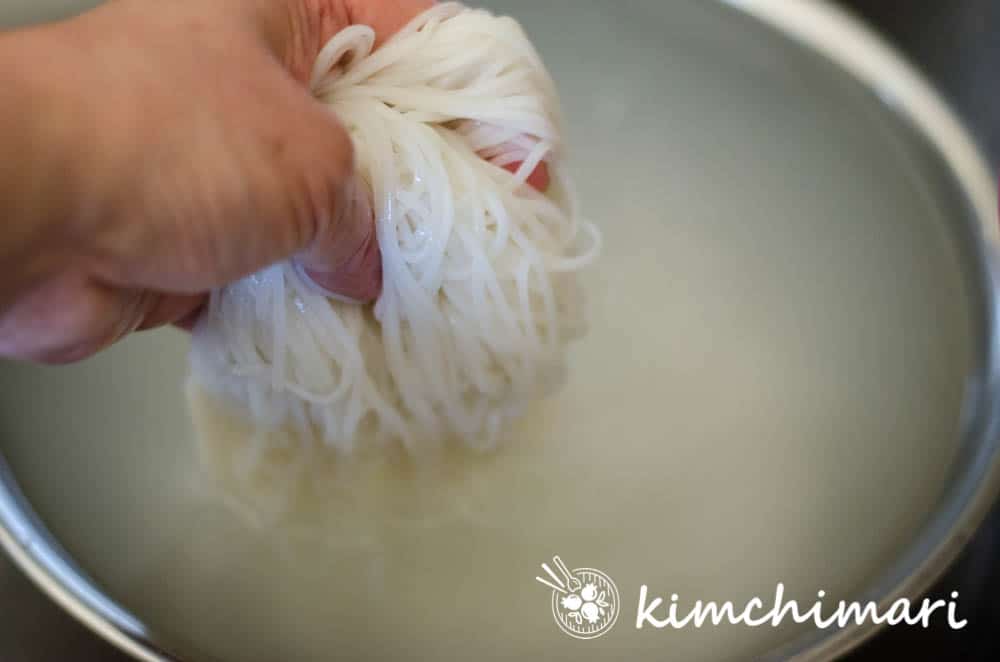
column 849, row 44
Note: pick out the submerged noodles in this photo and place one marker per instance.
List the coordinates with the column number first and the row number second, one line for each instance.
column 480, row 296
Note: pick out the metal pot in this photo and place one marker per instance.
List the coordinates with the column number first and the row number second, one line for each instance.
column 963, row 185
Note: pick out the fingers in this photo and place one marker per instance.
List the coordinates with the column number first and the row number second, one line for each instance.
column 187, row 323
column 180, row 310
column 386, row 17
column 298, row 29
column 338, row 251
column 539, row 177
column 509, row 154
column 344, row 262
column 66, row 320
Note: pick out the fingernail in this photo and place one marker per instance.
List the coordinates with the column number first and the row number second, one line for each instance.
column 346, row 264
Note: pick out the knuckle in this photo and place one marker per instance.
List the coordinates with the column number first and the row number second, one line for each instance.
column 61, row 326
column 87, row 327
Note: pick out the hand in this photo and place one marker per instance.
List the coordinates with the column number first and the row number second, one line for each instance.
column 166, row 148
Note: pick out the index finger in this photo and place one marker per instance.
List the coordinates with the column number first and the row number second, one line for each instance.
column 298, row 29
column 386, row 17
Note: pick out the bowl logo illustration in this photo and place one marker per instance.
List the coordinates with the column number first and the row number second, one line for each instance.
column 584, row 601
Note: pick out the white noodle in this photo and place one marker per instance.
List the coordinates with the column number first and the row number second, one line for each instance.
column 480, row 296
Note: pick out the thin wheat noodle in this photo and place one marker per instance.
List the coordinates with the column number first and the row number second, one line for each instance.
column 479, row 297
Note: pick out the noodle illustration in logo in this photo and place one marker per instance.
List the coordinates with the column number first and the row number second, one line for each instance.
column 584, row 601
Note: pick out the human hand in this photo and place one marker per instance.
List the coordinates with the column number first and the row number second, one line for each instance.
column 170, row 148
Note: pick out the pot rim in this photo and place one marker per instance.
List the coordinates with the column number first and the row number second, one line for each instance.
column 848, row 43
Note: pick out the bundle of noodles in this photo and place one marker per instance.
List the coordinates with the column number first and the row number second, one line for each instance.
column 479, row 293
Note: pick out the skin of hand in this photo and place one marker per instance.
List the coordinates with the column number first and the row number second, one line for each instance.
column 155, row 150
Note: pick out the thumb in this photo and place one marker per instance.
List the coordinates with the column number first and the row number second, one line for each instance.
column 343, row 261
